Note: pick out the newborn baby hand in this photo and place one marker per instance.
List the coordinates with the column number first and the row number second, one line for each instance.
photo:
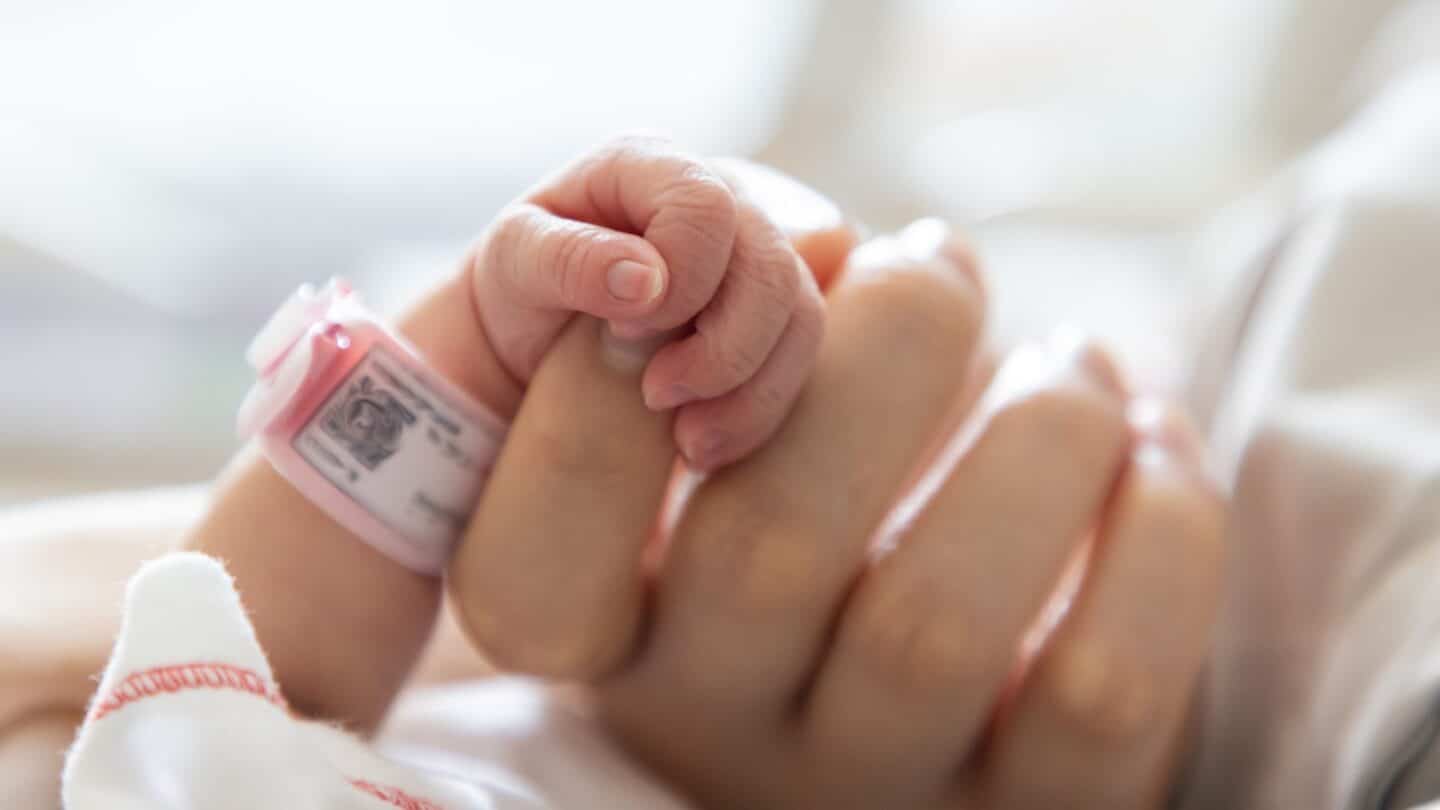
column 638, row 234
column 659, row 244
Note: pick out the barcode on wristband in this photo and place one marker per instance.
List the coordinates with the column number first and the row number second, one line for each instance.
column 395, row 446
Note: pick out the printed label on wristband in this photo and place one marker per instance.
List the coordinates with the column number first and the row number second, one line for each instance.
column 395, row 446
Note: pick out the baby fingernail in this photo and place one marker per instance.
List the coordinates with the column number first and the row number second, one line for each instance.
column 633, row 282
column 663, row 399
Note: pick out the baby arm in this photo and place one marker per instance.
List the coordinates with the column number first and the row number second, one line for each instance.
column 636, row 233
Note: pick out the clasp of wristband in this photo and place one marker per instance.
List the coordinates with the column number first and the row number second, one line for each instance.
column 302, row 337
column 352, row 416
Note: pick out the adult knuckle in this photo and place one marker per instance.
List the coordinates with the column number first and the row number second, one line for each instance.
column 1181, row 513
column 1102, row 693
column 1185, row 511
column 914, row 647
column 522, row 627
column 925, row 307
column 1064, row 416
column 770, row 570
column 514, row 639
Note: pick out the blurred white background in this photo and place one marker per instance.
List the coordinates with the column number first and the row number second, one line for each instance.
column 170, row 169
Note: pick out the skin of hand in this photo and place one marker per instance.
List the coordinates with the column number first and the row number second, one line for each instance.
column 803, row 642
column 673, row 253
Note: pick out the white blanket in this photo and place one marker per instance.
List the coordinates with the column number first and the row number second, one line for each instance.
column 188, row 717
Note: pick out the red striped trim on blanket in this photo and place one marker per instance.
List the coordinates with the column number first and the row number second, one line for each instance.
column 394, row 796
column 175, row 678
column 168, row 680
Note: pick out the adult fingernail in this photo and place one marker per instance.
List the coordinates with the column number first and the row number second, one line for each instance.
column 629, row 355
column 633, row 282
column 873, row 255
column 1077, row 347
column 928, row 239
column 1091, row 687
column 1027, row 368
column 924, row 239
column 1154, row 419
column 1169, row 427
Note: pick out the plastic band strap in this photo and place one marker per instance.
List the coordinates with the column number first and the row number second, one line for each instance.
column 349, row 413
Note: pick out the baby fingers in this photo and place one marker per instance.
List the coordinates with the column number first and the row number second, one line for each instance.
column 536, row 268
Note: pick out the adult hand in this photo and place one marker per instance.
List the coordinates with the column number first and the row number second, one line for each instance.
column 776, row 656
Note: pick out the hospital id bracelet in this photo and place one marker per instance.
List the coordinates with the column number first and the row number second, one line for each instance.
column 349, row 413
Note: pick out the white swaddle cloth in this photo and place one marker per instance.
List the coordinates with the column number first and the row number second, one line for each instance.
column 188, row 715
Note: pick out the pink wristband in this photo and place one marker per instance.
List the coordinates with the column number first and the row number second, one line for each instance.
column 350, row 414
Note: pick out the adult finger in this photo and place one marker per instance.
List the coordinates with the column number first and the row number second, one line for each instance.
column 767, row 547
column 1105, row 704
column 929, row 636
column 558, row 591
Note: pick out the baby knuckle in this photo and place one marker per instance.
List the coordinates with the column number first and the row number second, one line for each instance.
column 504, row 240
column 637, row 143
column 566, row 260
column 704, row 203
column 768, row 398
column 808, row 319
column 627, row 149
column 771, row 277
column 735, row 359
column 766, row 254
